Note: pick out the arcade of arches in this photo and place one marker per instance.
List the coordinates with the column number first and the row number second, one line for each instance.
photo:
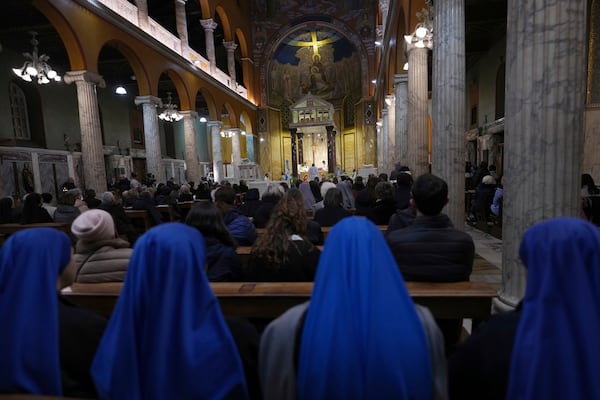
column 271, row 86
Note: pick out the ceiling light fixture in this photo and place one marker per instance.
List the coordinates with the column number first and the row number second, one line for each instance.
column 36, row 66
column 170, row 113
column 227, row 134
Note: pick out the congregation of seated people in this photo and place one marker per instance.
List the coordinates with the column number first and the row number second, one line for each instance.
column 359, row 336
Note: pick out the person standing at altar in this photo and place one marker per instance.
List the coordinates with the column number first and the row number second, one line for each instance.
column 313, row 172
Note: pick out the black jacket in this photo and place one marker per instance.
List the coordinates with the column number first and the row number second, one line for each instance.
column 431, row 250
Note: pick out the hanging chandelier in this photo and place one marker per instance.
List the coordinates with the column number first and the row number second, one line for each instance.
column 36, row 66
column 170, row 113
column 227, row 134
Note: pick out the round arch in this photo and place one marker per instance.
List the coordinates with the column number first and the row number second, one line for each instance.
column 142, row 78
column 185, row 103
column 213, row 115
column 225, row 22
column 67, row 35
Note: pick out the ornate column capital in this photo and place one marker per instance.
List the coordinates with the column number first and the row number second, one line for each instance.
column 139, row 100
column 230, row 46
column 84, row 76
column 182, row 2
column 400, row 79
column 188, row 113
column 213, row 124
column 208, row 24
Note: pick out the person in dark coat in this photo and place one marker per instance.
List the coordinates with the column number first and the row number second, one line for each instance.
column 402, row 187
column 238, row 225
column 7, row 214
column 146, row 202
column 431, row 249
column 365, row 199
column 333, row 211
column 385, row 205
column 34, row 213
column 223, row 263
column 111, row 204
column 251, row 203
column 270, row 198
column 483, row 197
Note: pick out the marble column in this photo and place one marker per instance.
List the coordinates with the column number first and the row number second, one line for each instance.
column 400, row 127
column 191, row 145
column 143, row 22
column 383, row 140
column 449, row 98
column 294, row 155
column 545, row 93
column 250, row 147
column 94, row 171
column 230, row 47
column 390, row 102
column 151, row 136
column 35, row 170
column 236, row 151
column 417, row 150
column 331, row 161
column 209, row 26
column 300, row 137
column 182, row 30
column 217, row 150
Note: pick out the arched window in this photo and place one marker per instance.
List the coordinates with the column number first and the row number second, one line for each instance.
column 20, row 117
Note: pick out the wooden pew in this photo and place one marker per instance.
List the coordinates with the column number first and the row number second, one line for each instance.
column 269, row 300
column 244, row 253
column 325, row 230
column 140, row 219
column 167, row 212
column 8, row 229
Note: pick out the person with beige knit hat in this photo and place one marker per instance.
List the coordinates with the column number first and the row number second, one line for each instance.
column 100, row 255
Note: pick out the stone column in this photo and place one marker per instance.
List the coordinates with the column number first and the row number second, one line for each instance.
column 417, row 150
column 191, row 145
column 331, row 162
column 300, row 136
column 35, row 170
column 236, row 152
column 230, row 47
column 94, row 171
column 383, row 140
column 217, row 151
column 294, row 155
column 151, row 136
column 401, row 133
column 182, row 31
column 449, row 97
column 544, row 123
column 142, row 6
column 390, row 102
column 209, row 28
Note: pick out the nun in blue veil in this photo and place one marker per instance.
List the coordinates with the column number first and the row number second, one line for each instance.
column 46, row 344
column 556, row 353
column 361, row 336
column 167, row 338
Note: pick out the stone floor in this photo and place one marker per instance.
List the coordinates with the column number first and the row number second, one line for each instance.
column 487, row 266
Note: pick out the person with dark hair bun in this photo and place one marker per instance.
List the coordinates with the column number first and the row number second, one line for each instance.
column 333, row 211
column 33, row 212
column 223, row 263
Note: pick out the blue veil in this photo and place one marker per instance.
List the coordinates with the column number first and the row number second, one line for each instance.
column 362, row 338
column 30, row 262
column 167, row 337
column 556, row 353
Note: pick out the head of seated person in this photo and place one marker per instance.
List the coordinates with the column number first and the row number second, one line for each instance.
column 167, row 337
column 34, row 264
column 429, row 195
column 94, row 226
column 333, row 198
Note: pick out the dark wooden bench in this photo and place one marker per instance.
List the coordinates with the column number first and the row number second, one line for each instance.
column 167, row 212
column 140, row 219
column 244, row 253
column 325, row 230
column 269, row 300
column 8, row 229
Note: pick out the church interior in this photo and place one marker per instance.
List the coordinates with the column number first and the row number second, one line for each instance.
column 236, row 89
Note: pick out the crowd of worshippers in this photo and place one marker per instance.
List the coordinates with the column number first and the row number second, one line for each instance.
column 360, row 336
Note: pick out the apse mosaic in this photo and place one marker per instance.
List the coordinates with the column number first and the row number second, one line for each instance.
column 314, row 59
